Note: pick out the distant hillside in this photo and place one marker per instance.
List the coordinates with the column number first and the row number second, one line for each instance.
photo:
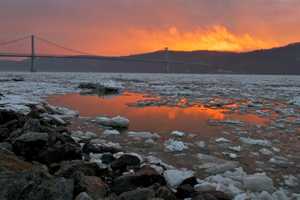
column 282, row 60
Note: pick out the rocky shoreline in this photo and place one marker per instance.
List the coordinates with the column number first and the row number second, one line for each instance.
column 40, row 160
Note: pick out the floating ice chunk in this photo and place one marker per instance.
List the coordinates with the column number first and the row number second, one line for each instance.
column 65, row 112
column 276, row 149
column 243, row 196
column 175, row 177
column 258, row 183
column 111, row 132
column 116, row 122
column 144, row 135
column 174, row 145
column 265, row 196
column 232, row 122
column 236, row 174
column 291, row 180
column 157, row 161
column 296, row 101
column 231, row 155
column 280, row 195
column 105, row 143
column 205, row 186
column 231, row 189
column 251, row 141
column 105, row 121
column 83, row 135
column 214, row 165
column 235, row 148
column 222, row 140
column 280, row 161
column 201, row 144
column 120, row 122
column 178, row 133
column 265, row 151
column 149, row 141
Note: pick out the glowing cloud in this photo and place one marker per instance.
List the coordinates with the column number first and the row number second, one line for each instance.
column 215, row 38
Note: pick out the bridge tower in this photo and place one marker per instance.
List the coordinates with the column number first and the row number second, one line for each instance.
column 32, row 68
column 167, row 59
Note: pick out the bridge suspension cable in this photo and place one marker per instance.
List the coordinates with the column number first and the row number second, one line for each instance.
column 61, row 46
column 14, row 41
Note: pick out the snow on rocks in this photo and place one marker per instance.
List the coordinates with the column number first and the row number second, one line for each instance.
column 143, row 135
column 115, row 122
column 259, row 142
column 175, row 145
column 178, row 133
column 175, row 177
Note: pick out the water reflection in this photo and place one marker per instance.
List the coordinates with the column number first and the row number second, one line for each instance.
column 150, row 118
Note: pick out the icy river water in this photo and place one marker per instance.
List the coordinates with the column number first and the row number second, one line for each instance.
column 206, row 123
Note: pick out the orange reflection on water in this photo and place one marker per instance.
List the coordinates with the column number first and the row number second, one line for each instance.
column 149, row 118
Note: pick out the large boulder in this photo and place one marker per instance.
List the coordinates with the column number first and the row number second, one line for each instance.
column 9, row 162
column 34, row 185
column 9, row 122
column 145, row 177
column 46, row 148
column 92, row 185
column 165, row 193
column 138, row 194
column 68, row 168
column 124, row 162
column 83, row 196
column 99, row 148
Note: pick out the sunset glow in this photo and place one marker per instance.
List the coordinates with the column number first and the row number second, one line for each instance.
column 137, row 26
column 217, row 38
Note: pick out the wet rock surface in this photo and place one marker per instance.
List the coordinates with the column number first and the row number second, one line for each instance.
column 48, row 165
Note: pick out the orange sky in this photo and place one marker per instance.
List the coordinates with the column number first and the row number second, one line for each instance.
column 121, row 27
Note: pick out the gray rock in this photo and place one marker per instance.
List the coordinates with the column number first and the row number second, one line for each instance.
column 83, row 196
column 34, row 185
column 46, row 148
column 6, row 146
column 145, row 177
column 138, row 194
column 68, row 168
column 92, row 185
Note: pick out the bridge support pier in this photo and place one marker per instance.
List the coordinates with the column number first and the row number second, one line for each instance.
column 32, row 67
column 167, row 58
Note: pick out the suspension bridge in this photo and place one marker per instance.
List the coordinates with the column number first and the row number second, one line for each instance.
column 76, row 54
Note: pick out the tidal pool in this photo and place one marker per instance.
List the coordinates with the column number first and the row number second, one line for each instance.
column 152, row 117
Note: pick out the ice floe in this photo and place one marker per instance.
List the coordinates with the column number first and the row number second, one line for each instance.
column 175, row 145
